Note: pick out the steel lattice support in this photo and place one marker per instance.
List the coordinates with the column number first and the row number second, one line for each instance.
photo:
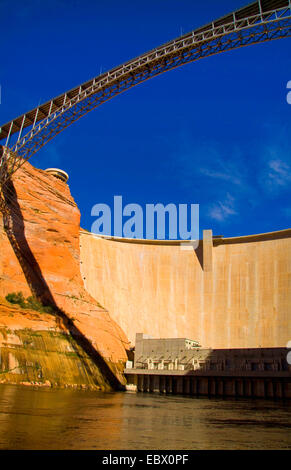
column 231, row 33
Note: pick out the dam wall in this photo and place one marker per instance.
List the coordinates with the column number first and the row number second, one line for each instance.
column 229, row 293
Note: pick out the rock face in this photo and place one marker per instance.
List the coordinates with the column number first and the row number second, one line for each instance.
column 39, row 254
column 37, row 349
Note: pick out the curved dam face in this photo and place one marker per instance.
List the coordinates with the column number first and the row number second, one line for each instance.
column 229, row 293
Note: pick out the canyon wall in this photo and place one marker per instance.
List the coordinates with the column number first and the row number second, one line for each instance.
column 37, row 349
column 229, row 293
column 40, row 255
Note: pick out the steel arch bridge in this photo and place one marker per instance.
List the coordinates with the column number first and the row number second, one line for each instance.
column 260, row 21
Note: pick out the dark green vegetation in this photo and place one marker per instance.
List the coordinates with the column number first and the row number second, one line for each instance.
column 31, row 303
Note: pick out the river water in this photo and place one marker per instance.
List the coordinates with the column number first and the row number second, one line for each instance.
column 61, row 419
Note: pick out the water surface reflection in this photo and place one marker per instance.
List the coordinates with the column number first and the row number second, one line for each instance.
column 62, row 419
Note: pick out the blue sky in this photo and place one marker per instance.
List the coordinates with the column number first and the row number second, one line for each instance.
column 216, row 132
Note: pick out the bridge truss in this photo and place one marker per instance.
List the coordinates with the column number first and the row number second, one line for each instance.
column 260, row 21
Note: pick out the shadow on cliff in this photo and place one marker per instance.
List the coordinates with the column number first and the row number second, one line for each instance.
column 15, row 230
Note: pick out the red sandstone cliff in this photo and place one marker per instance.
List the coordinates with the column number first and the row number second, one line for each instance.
column 39, row 253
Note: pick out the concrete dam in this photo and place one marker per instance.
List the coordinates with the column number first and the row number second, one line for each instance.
column 232, row 293
column 229, row 293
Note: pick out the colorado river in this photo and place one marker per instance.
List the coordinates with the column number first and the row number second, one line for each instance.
column 62, row 419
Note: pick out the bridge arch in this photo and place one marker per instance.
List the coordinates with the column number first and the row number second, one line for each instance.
column 260, row 21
